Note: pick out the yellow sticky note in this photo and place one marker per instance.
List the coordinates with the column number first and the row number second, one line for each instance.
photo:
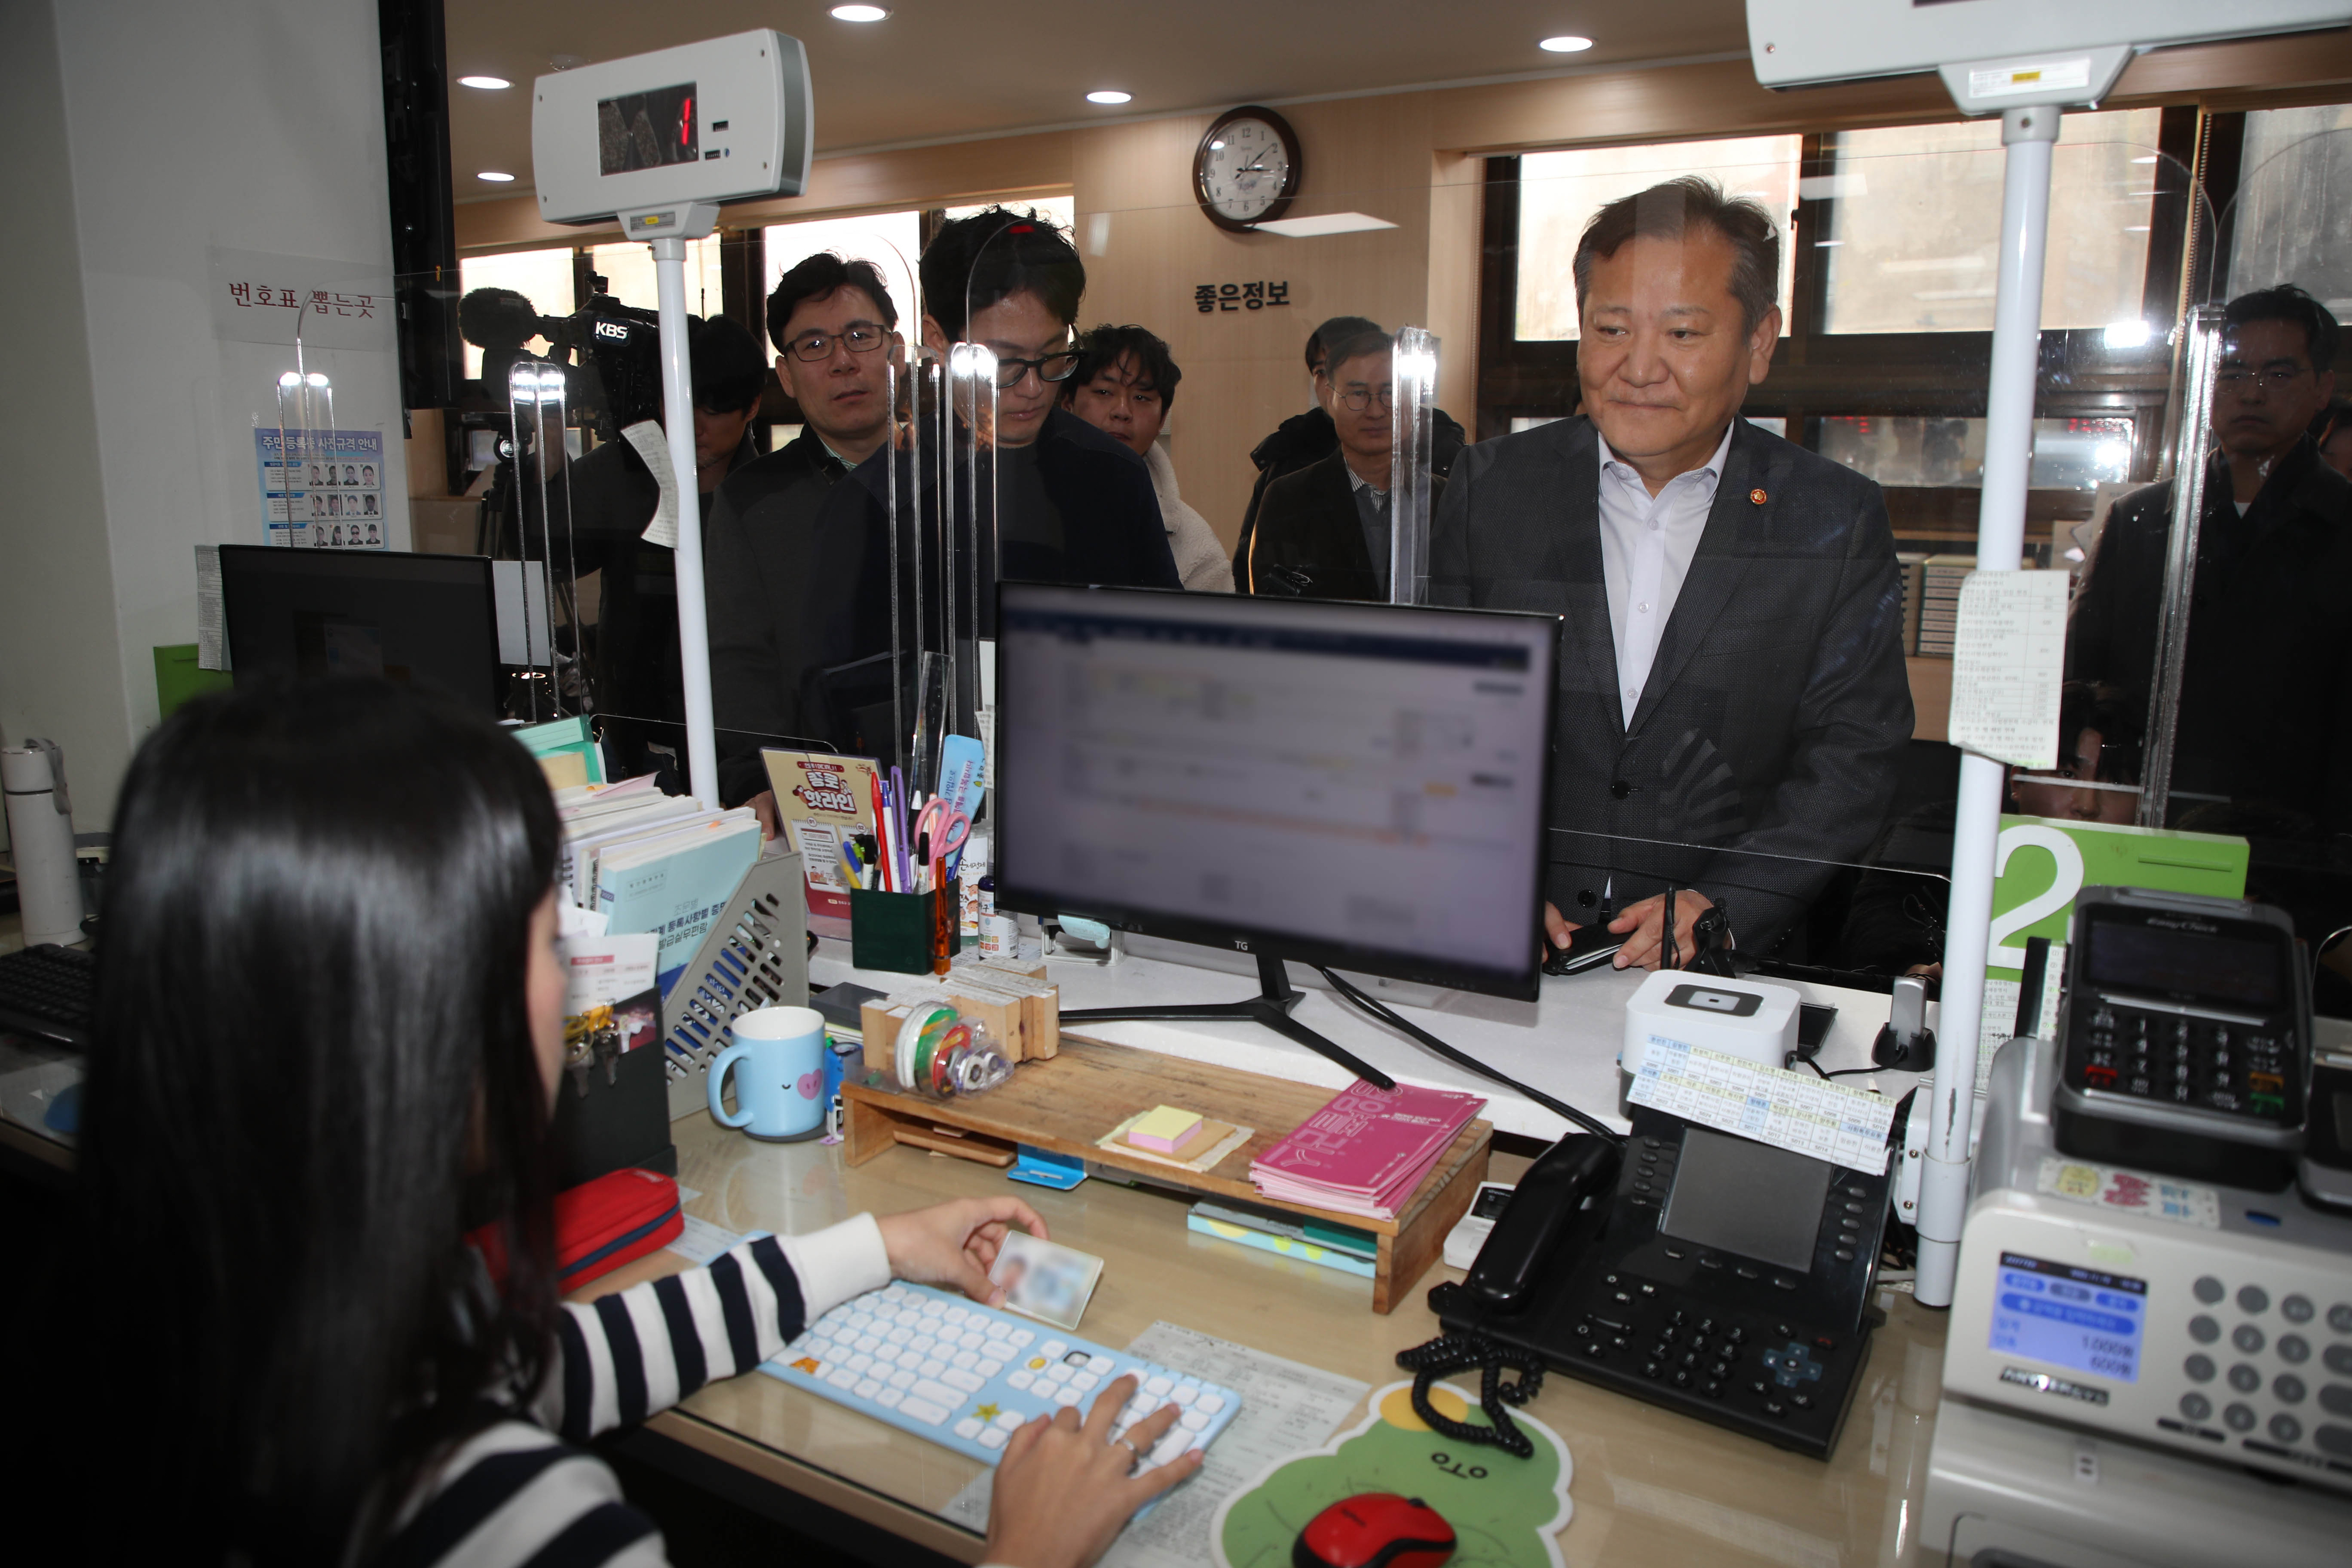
column 1162, row 1128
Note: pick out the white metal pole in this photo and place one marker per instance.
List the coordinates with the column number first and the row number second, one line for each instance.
column 693, row 629
column 2028, row 134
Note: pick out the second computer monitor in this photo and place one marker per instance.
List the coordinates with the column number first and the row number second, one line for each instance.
column 425, row 620
column 1360, row 786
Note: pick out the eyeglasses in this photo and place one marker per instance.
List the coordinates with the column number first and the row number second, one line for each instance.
column 1052, row 368
column 2235, row 377
column 858, row 337
column 1360, row 399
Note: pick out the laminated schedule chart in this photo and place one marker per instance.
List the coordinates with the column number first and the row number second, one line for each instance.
column 1812, row 1116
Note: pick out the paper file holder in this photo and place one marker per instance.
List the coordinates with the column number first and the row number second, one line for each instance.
column 755, row 957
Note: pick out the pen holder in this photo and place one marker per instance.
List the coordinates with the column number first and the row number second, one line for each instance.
column 894, row 930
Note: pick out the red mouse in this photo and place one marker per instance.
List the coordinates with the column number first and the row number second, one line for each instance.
column 1374, row 1529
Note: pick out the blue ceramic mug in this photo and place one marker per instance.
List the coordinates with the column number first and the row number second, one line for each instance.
column 778, row 1058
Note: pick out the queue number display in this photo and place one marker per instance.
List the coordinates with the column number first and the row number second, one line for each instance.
column 2080, row 1319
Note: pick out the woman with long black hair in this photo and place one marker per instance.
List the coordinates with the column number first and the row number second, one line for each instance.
column 329, row 1034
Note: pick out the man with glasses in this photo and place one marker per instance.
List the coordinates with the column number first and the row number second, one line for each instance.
column 796, row 558
column 1732, row 693
column 2265, row 715
column 1073, row 505
column 1323, row 532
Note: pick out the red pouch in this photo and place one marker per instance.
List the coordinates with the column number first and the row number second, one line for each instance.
column 601, row 1225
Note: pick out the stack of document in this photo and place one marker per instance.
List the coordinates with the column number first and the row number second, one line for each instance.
column 1367, row 1150
column 648, row 861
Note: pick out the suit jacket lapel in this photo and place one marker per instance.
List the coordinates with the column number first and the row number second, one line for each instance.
column 1570, row 556
column 1715, row 569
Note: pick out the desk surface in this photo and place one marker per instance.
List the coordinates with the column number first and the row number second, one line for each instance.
column 1565, row 1043
column 1649, row 1488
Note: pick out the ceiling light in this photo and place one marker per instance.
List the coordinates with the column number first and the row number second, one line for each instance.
column 1566, row 44
column 1110, row 95
column 860, row 13
column 488, row 84
column 494, row 177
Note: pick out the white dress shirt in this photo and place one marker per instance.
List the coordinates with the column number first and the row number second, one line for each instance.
column 1647, row 544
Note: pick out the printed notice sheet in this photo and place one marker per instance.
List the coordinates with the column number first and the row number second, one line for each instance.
column 1831, row 1121
column 1287, row 1408
column 2008, row 656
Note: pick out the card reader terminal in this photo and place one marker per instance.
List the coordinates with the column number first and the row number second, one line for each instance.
column 2186, row 1037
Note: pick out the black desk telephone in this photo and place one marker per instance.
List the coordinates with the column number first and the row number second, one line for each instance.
column 1722, row 1277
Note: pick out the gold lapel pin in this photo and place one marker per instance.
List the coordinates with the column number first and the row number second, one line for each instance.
column 1756, row 497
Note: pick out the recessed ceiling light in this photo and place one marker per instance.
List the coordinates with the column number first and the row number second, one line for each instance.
column 861, row 13
column 1566, row 44
column 1110, row 95
column 488, row 84
column 494, row 177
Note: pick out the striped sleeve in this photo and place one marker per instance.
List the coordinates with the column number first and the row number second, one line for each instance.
column 625, row 1357
column 513, row 1494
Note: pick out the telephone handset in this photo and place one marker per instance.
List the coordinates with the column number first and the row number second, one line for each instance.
column 1721, row 1277
column 1565, row 1181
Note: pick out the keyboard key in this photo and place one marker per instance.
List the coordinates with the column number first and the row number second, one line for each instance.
column 889, row 1397
column 1193, row 1421
column 1066, row 1397
column 968, row 1429
column 933, row 1367
column 964, row 1358
column 1158, row 1385
column 956, row 1377
column 937, row 1394
column 923, row 1342
column 868, row 1387
column 1212, row 1403
column 1085, row 1382
column 900, row 1334
column 1053, row 1350
column 988, row 1368
column 994, row 1438
column 1173, row 1444
column 1010, row 1420
column 861, row 1363
column 1021, row 1337
column 842, row 1377
column 998, row 1349
column 1099, row 1365
column 1184, row 1394
column 861, row 1321
column 869, row 1343
column 957, row 1314
column 901, row 1379
column 921, row 1410
column 1060, row 1372
column 911, row 1358
column 1020, row 1377
column 1136, row 1410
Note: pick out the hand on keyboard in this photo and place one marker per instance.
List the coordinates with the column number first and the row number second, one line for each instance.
column 1064, row 1490
column 954, row 1244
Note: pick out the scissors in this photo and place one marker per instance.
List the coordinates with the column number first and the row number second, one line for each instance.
column 948, row 827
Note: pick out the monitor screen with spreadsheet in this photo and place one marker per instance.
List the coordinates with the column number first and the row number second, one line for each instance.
column 1358, row 786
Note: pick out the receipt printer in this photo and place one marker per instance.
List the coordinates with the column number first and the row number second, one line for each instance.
column 1754, row 1021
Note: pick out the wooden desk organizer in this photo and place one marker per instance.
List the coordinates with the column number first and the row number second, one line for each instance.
column 1063, row 1104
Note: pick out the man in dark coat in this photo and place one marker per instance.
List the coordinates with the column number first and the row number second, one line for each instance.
column 1732, row 696
column 1325, row 531
column 1308, row 438
column 2265, row 702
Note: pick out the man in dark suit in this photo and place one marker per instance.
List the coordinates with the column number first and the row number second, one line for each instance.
column 1732, row 694
column 1323, row 532
column 2266, row 716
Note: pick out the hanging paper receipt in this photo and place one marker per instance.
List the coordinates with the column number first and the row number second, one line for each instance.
column 2009, row 656
column 653, row 445
column 1833, row 1122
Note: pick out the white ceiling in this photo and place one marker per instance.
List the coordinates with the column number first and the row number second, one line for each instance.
column 940, row 70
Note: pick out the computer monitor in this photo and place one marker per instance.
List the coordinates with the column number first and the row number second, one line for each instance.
column 427, row 621
column 1360, row 787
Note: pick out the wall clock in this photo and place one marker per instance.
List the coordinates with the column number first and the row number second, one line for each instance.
column 1247, row 169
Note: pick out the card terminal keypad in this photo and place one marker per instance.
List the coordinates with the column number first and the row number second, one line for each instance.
column 2165, row 1057
column 2260, row 1388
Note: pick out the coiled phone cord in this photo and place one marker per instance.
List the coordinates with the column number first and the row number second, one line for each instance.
column 1451, row 1352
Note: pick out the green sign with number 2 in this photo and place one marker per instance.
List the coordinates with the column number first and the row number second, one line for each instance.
column 2042, row 863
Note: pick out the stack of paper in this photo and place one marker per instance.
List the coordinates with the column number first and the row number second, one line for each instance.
column 1367, row 1150
column 652, row 862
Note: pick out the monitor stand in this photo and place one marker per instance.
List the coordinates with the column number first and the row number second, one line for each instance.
column 1271, row 1006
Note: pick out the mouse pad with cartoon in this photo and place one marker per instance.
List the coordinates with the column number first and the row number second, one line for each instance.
column 1507, row 1512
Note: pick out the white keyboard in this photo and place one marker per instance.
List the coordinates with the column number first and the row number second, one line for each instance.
column 968, row 1376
